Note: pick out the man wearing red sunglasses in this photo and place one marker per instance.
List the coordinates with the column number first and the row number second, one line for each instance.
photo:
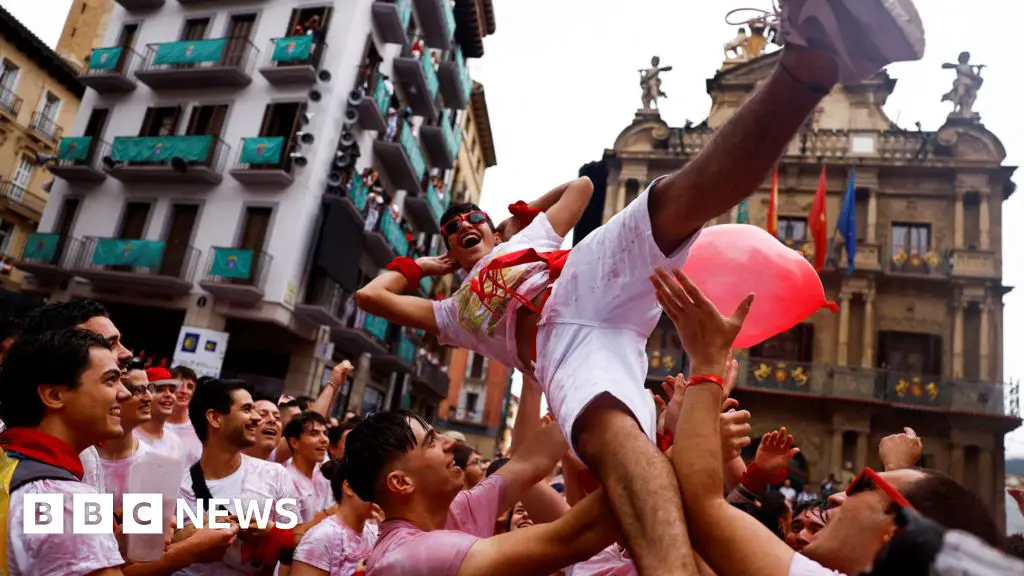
column 734, row 543
column 579, row 321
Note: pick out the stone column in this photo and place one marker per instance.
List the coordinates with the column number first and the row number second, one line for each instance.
column 958, row 339
column 984, row 342
column 304, row 369
column 844, row 328
column 867, row 354
column 861, row 455
column 837, row 450
column 871, row 236
column 986, row 485
column 983, row 220
column 958, row 221
column 956, row 462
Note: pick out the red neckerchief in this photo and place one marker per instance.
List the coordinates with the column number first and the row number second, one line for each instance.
column 494, row 272
column 40, row 446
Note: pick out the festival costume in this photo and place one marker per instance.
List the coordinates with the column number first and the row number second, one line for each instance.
column 593, row 328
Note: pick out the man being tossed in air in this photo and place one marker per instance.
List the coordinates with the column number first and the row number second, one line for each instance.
column 579, row 324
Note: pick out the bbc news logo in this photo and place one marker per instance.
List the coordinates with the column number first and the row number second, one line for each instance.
column 144, row 513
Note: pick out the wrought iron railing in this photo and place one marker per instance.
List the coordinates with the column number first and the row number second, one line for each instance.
column 53, row 249
column 81, row 151
column 116, row 60
column 292, row 51
column 195, row 149
column 45, row 126
column 152, row 257
column 15, row 193
column 264, row 153
column 242, row 266
column 9, row 101
column 228, row 52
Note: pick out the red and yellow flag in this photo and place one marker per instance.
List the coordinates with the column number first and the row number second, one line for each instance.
column 772, row 226
column 819, row 223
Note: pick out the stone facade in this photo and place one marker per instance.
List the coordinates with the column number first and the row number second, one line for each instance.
column 918, row 338
column 84, row 30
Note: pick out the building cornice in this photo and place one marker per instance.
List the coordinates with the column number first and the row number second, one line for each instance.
column 483, row 125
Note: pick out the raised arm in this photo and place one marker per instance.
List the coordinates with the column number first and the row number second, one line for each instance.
column 564, row 205
column 721, row 534
column 385, row 296
column 323, row 403
column 532, row 463
column 546, row 548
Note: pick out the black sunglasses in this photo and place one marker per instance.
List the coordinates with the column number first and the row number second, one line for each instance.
column 452, row 226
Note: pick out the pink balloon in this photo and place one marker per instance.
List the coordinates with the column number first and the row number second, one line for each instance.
column 729, row 261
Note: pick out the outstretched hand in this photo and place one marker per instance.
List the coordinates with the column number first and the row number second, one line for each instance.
column 707, row 335
column 776, row 451
column 436, row 265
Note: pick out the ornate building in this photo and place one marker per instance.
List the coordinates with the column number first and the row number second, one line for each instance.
column 918, row 338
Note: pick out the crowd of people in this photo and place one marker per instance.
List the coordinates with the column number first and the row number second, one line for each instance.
column 614, row 481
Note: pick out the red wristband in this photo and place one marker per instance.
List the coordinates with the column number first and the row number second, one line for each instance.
column 757, row 480
column 409, row 268
column 665, row 441
column 704, row 379
column 522, row 211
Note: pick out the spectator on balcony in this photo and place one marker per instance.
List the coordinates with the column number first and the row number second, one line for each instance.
column 417, row 48
column 788, row 491
column 315, row 29
column 392, row 130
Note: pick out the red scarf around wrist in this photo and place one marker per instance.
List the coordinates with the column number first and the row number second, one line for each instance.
column 46, row 448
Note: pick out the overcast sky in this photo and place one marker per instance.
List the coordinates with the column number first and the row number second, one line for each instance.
column 561, row 80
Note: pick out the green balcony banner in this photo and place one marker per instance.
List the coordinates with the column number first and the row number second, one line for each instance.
column 430, row 76
column 135, row 253
column 406, row 351
column 105, row 58
column 376, row 326
column 161, row 148
column 190, row 51
column 41, row 247
column 412, row 150
column 382, row 96
column 404, row 12
column 262, row 150
column 74, row 148
column 292, row 48
column 232, row 263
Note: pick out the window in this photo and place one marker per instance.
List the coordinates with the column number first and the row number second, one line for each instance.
column 160, row 121
column 471, row 401
column 195, row 29
column 910, row 239
column 127, row 36
column 6, row 233
column 792, row 229
column 22, row 177
column 477, row 366
column 8, row 75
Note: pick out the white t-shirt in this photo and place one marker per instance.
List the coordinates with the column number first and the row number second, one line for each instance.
column 91, row 466
column 608, row 562
column 314, row 493
column 336, row 548
column 804, row 566
column 255, row 481
column 464, row 321
column 66, row 554
column 192, row 448
column 116, row 473
column 168, row 444
column 788, row 492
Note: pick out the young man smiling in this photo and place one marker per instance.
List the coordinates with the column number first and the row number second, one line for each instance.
column 557, row 316
column 154, row 432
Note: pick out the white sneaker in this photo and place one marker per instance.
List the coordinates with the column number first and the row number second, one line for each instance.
column 864, row 35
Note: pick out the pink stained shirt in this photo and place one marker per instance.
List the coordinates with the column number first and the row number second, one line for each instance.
column 464, row 321
column 608, row 562
column 405, row 550
column 116, row 474
column 334, row 547
column 192, row 448
column 314, row 494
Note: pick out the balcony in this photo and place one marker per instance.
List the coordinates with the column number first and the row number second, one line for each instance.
column 237, row 275
column 437, row 22
column 293, row 60
column 325, row 303
column 391, row 18
column 456, row 83
column 384, row 237
column 974, row 264
column 263, row 161
column 915, row 265
column 898, row 389
column 79, row 159
column 16, row 197
column 193, row 159
column 441, row 143
column 45, row 129
column 419, row 81
column 426, row 209
column 435, row 379
column 192, row 64
column 356, row 197
column 10, row 105
column 373, row 111
column 403, row 160
column 111, row 70
column 365, row 334
column 867, row 258
column 49, row 257
column 401, row 355
column 133, row 5
column 134, row 266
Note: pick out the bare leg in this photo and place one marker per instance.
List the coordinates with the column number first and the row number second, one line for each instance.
column 640, row 484
column 736, row 160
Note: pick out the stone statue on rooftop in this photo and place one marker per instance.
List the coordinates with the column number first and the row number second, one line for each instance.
column 650, row 83
column 965, row 87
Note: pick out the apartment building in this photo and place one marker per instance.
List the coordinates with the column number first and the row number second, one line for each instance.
column 918, row 339
column 244, row 168
column 39, row 96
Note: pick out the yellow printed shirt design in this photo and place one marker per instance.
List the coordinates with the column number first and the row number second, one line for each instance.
column 473, row 315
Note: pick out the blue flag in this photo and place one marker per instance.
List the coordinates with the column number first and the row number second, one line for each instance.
column 847, row 224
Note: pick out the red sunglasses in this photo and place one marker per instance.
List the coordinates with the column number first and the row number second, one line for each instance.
column 868, row 479
column 452, row 226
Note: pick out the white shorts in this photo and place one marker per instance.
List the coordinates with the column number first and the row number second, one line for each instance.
column 592, row 336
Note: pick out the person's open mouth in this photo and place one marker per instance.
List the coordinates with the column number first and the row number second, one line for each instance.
column 470, row 240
